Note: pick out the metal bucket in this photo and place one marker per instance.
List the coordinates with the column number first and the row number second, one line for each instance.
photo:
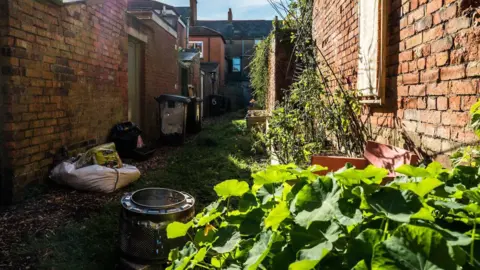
column 144, row 219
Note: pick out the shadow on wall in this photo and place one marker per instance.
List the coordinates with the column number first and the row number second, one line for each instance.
column 239, row 94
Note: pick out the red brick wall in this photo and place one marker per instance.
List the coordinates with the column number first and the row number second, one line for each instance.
column 161, row 75
column 433, row 70
column 336, row 31
column 182, row 36
column 66, row 80
column 213, row 51
column 280, row 70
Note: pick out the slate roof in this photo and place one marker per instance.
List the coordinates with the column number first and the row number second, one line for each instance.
column 209, row 66
column 187, row 56
column 157, row 7
column 202, row 31
column 239, row 29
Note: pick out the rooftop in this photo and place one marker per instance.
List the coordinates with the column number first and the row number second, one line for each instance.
column 209, row 66
column 202, row 31
column 239, row 29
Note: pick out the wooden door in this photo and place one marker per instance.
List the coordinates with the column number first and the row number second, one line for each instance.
column 201, row 93
column 134, row 82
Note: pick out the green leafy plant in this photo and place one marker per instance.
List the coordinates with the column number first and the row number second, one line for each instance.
column 316, row 113
column 292, row 218
column 259, row 70
column 470, row 155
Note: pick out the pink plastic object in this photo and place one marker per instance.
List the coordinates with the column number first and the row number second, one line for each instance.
column 389, row 157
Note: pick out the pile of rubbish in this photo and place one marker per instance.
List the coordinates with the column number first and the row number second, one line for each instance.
column 100, row 169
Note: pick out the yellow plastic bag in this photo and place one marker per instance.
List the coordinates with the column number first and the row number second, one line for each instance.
column 103, row 155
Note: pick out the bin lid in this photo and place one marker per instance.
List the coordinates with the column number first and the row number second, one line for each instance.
column 197, row 99
column 175, row 98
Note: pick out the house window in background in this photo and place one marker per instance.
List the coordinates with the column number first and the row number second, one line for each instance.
column 236, row 64
column 198, row 45
column 257, row 41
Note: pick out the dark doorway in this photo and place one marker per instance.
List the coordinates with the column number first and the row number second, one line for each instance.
column 184, row 73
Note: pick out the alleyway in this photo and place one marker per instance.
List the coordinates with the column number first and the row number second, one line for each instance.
column 64, row 229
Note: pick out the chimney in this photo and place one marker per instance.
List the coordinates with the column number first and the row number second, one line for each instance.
column 193, row 16
column 230, row 15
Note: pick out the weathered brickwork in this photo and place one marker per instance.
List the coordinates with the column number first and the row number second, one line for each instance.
column 160, row 75
column 213, row 51
column 64, row 79
column 66, row 70
column 433, row 69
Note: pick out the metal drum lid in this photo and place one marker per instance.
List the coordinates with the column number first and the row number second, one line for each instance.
column 157, row 201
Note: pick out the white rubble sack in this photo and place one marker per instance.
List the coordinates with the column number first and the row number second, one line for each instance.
column 94, row 178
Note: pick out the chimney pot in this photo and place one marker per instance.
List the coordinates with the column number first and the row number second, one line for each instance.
column 230, row 15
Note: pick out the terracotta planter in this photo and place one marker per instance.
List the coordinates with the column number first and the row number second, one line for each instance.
column 334, row 163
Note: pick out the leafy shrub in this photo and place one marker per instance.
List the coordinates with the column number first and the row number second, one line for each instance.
column 295, row 219
column 259, row 70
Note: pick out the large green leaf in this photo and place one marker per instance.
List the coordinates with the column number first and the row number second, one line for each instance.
column 329, row 195
column 452, row 238
column 277, row 216
column 209, row 218
column 473, row 195
column 303, row 265
column 370, row 175
column 318, row 232
column 200, row 256
column 251, row 224
column 273, row 174
column 413, row 247
column 227, row 240
column 347, row 212
column 204, row 237
column 178, row 229
column 247, row 202
column 305, row 199
column 422, row 187
column 260, row 250
column 231, row 188
column 361, row 248
column 267, row 192
column 309, row 258
column 395, row 204
column 181, row 259
column 412, row 171
column 435, row 169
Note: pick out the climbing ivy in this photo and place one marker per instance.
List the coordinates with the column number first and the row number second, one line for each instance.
column 259, row 66
column 317, row 114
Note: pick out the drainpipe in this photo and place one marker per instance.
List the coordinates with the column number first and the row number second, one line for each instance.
column 241, row 59
column 209, row 49
column 188, row 31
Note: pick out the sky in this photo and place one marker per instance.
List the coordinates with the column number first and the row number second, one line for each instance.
column 241, row 9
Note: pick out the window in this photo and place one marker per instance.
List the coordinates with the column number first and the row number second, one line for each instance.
column 237, row 64
column 198, row 45
column 257, row 41
column 372, row 39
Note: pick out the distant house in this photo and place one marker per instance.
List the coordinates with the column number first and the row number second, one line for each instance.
column 211, row 46
column 241, row 37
